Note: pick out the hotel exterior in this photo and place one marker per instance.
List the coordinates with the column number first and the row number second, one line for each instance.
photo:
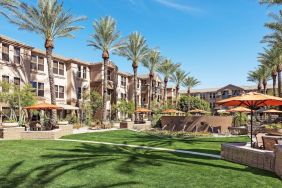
column 21, row 64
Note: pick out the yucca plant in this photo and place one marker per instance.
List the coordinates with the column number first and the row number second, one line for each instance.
column 135, row 50
column 49, row 20
column 152, row 62
column 106, row 38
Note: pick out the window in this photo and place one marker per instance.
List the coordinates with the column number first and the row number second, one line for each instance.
column 61, row 68
column 5, row 52
column 33, row 63
column 84, row 72
column 17, row 81
column 123, row 81
column 123, row 96
column 5, row 79
column 55, row 67
column 79, row 92
column 17, row 55
column 109, row 75
column 38, row 88
column 41, row 63
column 59, row 91
column 78, row 71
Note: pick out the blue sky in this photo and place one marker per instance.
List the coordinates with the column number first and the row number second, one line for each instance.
column 217, row 41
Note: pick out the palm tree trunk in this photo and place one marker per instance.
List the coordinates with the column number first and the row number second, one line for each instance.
column 259, row 87
column 176, row 98
column 150, row 90
column 189, row 91
column 49, row 50
column 105, row 88
column 264, row 86
column 274, row 76
column 135, row 67
column 165, row 91
column 279, row 84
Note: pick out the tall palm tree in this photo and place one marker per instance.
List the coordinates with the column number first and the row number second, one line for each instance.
column 152, row 62
column 265, row 75
column 189, row 83
column 178, row 78
column 254, row 76
column 268, row 59
column 135, row 50
column 49, row 20
column 167, row 68
column 106, row 39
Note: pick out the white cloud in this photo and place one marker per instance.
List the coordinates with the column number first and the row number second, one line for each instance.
column 178, row 6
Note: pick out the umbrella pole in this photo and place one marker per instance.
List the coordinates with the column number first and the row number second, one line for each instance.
column 251, row 127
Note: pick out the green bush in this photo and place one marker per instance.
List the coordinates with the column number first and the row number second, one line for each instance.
column 187, row 103
column 274, row 126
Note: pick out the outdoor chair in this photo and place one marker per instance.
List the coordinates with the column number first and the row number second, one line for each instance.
column 269, row 143
column 259, row 141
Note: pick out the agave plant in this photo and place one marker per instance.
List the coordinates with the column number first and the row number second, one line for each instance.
column 49, row 20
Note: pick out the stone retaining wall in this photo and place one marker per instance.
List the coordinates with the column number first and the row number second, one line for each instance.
column 196, row 123
column 16, row 133
column 262, row 159
column 11, row 133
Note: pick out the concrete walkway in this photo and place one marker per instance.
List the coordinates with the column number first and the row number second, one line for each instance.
column 87, row 130
column 145, row 147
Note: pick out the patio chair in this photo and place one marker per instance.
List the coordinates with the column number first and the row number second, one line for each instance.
column 259, row 141
column 269, row 143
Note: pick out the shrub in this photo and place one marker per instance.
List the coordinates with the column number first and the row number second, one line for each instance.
column 274, row 126
column 187, row 103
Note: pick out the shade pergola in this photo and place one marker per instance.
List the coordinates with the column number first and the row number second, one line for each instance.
column 253, row 101
column 43, row 106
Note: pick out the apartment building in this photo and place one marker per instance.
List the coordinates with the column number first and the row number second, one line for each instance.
column 21, row 64
column 212, row 95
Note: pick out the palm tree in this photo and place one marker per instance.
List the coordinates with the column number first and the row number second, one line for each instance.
column 271, row 2
column 135, row 50
column 268, row 59
column 106, row 39
column 152, row 62
column 189, row 83
column 50, row 21
column 254, row 76
column 178, row 78
column 167, row 68
column 265, row 75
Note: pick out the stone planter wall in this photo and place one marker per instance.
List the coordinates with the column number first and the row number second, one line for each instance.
column 11, row 133
column 262, row 159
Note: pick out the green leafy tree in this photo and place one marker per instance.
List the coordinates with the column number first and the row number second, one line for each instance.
column 135, row 50
column 152, row 63
column 167, row 68
column 49, row 20
column 188, row 102
column 106, row 39
column 125, row 107
column 17, row 98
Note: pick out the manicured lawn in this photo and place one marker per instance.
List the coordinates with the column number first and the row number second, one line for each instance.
column 205, row 145
column 71, row 164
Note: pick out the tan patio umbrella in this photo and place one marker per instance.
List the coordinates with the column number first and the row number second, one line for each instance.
column 198, row 111
column 172, row 111
column 142, row 110
column 240, row 110
column 272, row 111
column 252, row 101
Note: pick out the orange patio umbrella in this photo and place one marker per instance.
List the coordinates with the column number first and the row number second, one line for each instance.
column 252, row 100
column 43, row 106
column 142, row 110
column 172, row 111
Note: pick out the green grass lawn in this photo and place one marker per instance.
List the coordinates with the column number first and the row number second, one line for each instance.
column 70, row 164
column 205, row 145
